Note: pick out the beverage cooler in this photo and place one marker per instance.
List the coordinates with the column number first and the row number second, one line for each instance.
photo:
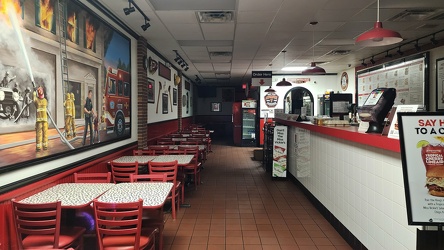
column 248, row 123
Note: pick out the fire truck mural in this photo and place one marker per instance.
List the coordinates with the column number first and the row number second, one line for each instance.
column 52, row 98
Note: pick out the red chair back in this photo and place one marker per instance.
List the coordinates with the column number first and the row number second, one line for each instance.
column 148, row 177
column 175, row 152
column 168, row 168
column 121, row 171
column 38, row 227
column 118, row 225
column 143, row 152
column 158, row 149
column 92, row 177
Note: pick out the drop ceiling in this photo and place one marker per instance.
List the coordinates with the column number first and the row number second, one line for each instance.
column 225, row 53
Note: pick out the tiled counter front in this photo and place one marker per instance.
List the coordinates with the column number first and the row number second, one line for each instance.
column 362, row 186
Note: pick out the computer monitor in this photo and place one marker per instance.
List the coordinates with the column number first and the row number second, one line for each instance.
column 339, row 104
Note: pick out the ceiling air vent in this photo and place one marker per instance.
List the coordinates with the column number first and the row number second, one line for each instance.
column 215, row 16
column 415, row 15
column 339, row 52
column 220, row 53
column 222, row 75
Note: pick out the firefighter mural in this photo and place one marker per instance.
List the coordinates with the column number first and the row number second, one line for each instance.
column 41, row 122
column 68, row 104
column 37, row 103
column 73, row 110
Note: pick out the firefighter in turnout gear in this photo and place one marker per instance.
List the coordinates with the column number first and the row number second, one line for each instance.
column 73, row 110
column 41, row 123
column 68, row 115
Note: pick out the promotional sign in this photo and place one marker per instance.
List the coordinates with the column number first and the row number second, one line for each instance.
column 394, row 126
column 249, row 104
column 280, row 152
column 261, row 78
column 422, row 150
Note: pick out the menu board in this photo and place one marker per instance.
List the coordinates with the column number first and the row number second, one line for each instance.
column 422, row 151
column 406, row 76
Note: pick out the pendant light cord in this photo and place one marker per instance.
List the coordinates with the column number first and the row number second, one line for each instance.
column 377, row 13
column 313, row 43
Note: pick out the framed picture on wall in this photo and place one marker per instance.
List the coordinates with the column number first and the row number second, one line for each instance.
column 164, row 103
column 174, row 96
column 216, row 107
column 164, row 71
column 440, row 84
column 151, row 90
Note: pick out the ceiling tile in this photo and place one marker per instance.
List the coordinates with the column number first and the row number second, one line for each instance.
column 215, row 31
column 255, row 16
column 178, row 17
column 203, row 66
column 185, row 31
column 261, row 5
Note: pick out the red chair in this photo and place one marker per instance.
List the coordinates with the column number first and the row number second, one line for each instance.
column 119, row 226
column 92, row 177
column 158, row 149
column 194, row 167
column 148, row 177
column 169, row 168
column 143, row 152
column 38, row 227
column 121, row 171
column 153, row 217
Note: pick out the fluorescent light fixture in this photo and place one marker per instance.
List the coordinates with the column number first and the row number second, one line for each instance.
column 296, row 68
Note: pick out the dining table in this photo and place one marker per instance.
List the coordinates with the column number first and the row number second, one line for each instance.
column 141, row 159
column 153, row 194
column 71, row 195
column 182, row 160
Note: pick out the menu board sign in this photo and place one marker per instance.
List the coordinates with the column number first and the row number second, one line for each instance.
column 422, row 150
column 407, row 76
column 279, row 152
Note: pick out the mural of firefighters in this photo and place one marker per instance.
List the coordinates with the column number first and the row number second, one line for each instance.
column 37, row 107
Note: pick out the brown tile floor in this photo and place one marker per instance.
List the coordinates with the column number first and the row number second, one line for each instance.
column 239, row 206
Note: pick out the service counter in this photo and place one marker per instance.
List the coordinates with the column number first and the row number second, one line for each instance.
column 356, row 177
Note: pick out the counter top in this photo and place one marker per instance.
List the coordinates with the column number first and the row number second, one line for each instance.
column 348, row 133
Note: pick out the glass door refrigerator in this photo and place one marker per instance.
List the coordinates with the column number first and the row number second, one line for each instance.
column 249, row 123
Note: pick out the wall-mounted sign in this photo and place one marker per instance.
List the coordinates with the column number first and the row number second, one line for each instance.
column 164, row 71
column 261, row 78
column 422, row 150
column 298, row 80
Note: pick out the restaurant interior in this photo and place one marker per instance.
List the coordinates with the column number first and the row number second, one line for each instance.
column 118, row 130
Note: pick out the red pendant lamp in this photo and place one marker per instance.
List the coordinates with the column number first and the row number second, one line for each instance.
column 378, row 36
column 269, row 90
column 313, row 69
column 284, row 82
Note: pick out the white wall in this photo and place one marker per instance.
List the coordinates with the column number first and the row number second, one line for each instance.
column 316, row 85
column 362, row 187
column 16, row 175
column 159, row 117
